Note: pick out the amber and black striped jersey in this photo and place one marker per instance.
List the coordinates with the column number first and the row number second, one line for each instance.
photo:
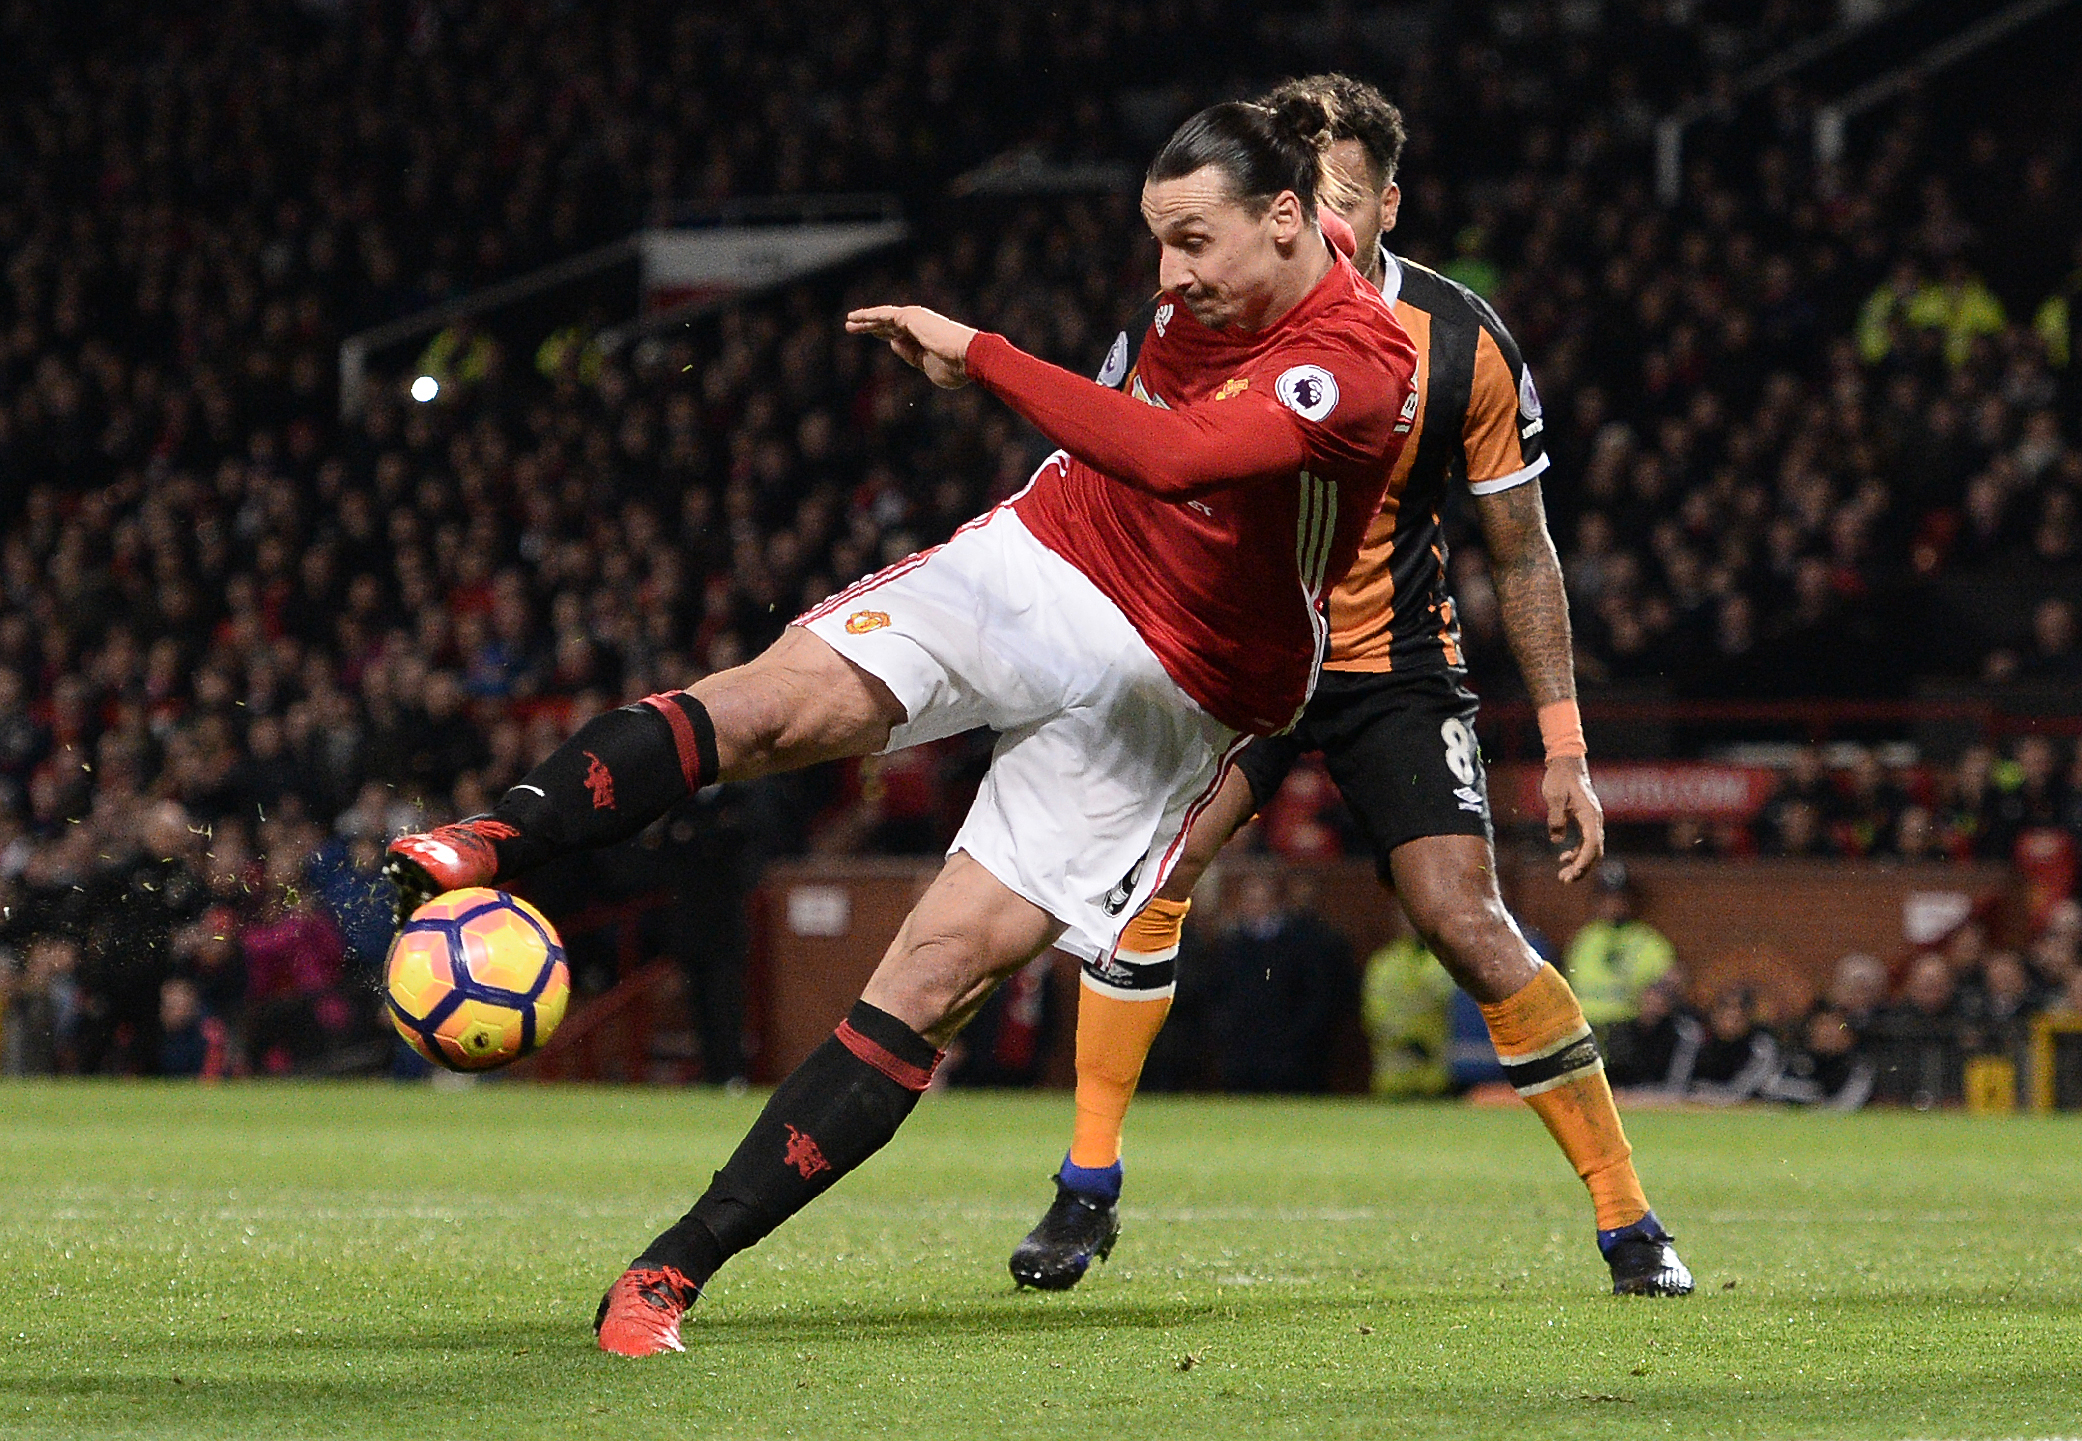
column 1474, row 416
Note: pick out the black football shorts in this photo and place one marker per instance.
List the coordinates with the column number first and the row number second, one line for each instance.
column 1401, row 749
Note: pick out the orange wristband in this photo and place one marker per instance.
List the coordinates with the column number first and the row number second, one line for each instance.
column 1561, row 730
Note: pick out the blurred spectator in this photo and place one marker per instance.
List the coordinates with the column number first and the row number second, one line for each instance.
column 2054, row 655
column 1737, row 1058
column 1968, row 813
column 1916, row 836
column 2030, row 790
column 2058, row 324
column 1871, row 807
column 1615, row 956
column 1959, row 306
column 1284, row 979
column 2055, row 954
column 706, row 856
column 42, row 1008
column 192, row 1042
column 207, row 956
column 296, row 1010
column 345, row 877
column 1857, row 991
column 1996, row 1016
column 1826, row 1067
column 1917, row 1043
column 1007, row 1043
column 1653, row 1049
column 1405, row 996
column 1795, row 821
column 2069, row 1003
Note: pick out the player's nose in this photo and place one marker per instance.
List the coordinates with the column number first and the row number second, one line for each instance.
column 1173, row 273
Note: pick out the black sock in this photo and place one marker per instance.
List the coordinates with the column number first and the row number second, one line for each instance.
column 620, row 772
column 838, row 1108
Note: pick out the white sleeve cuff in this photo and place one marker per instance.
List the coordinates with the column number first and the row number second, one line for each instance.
column 1505, row 482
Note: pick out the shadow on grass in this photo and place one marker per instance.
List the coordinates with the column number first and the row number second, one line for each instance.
column 2033, row 1392
column 1012, row 1316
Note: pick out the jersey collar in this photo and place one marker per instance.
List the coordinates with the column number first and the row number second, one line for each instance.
column 1391, row 276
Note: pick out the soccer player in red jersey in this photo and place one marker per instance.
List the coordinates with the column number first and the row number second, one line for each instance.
column 1396, row 729
column 1149, row 602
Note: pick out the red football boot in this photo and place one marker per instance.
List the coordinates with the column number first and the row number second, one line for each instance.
column 448, row 858
column 640, row 1314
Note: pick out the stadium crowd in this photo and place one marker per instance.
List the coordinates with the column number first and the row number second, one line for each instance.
column 1913, row 1033
column 242, row 641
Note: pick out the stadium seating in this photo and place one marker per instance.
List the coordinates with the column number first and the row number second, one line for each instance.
column 1816, row 429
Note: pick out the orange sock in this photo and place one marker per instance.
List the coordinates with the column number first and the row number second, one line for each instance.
column 1551, row 1060
column 1117, row 1024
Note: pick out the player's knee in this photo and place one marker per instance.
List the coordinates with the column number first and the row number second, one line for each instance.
column 934, row 981
column 798, row 701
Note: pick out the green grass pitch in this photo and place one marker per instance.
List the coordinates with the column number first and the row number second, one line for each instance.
column 370, row 1261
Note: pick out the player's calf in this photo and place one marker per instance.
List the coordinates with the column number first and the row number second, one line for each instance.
column 835, row 1110
column 621, row 771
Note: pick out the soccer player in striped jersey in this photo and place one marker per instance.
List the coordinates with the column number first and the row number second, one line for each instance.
column 1396, row 729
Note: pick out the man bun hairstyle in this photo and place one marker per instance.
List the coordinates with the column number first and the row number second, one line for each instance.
column 1362, row 113
column 1263, row 149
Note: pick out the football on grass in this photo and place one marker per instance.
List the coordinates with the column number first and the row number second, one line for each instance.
column 476, row 979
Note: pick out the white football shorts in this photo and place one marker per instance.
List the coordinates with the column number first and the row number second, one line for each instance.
column 1101, row 762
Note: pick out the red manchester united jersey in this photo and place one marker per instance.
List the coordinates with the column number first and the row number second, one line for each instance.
column 1220, row 519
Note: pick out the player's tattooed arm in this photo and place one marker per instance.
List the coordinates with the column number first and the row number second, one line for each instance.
column 1529, row 590
column 1536, row 624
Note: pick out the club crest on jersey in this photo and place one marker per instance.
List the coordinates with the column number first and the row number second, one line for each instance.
column 1309, row 391
column 1115, row 370
column 1164, row 314
column 863, row 621
column 1234, row 385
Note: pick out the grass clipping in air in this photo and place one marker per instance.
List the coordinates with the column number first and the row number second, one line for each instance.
column 372, row 1261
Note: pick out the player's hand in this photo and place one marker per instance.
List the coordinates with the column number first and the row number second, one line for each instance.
column 1566, row 789
column 921, row 338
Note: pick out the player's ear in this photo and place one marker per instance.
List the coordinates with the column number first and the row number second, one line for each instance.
column 1391, row 203
column 1287, row 217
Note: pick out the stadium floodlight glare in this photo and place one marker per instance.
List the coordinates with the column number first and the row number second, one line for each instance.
column 425, row 389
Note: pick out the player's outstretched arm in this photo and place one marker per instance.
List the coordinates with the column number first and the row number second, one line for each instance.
column 1179, row 454
column 1536, row 624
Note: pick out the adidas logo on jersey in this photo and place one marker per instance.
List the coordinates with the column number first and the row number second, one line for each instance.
column 1164, row 314
column 1409, row 414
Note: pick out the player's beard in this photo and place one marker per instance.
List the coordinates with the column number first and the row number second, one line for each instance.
column 1208, row 307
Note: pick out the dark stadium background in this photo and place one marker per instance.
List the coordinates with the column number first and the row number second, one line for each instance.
column 1803, row 317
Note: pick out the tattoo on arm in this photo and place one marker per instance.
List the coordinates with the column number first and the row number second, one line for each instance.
column 1529, row 590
